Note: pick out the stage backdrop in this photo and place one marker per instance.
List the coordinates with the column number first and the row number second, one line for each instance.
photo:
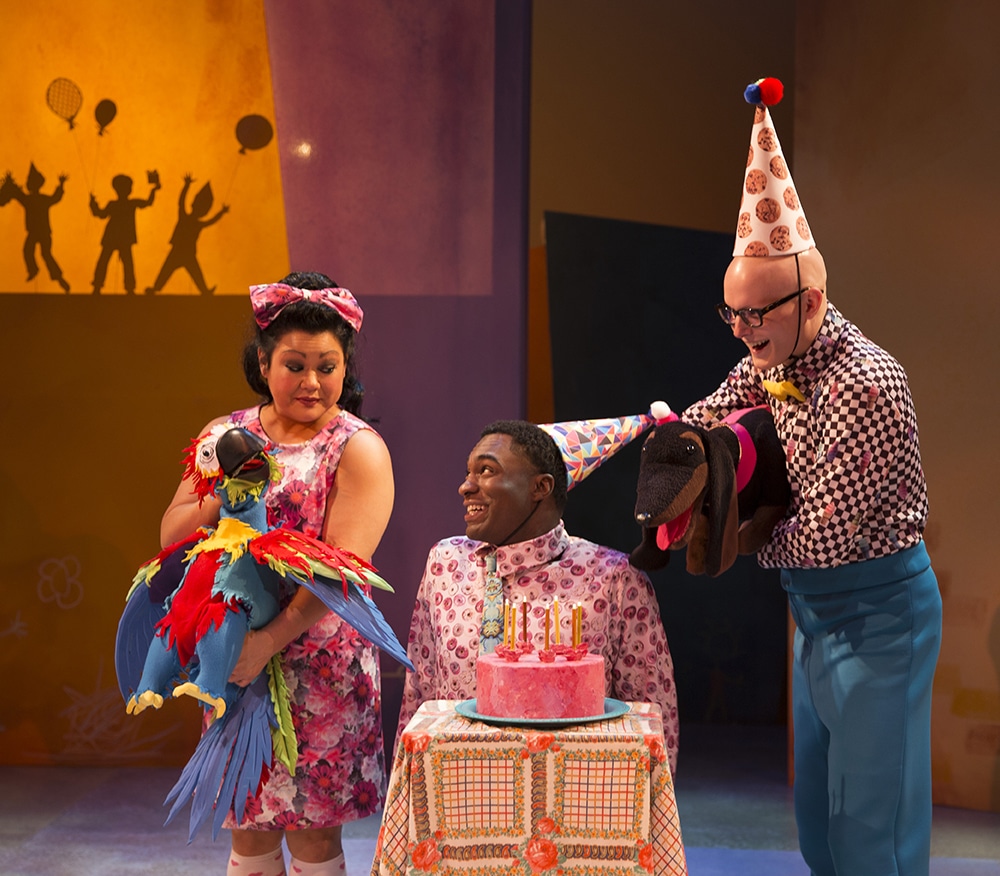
column 381, row 143
column 138, row 140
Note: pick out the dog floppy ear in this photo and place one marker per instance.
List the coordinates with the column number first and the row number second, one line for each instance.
column 722, row 531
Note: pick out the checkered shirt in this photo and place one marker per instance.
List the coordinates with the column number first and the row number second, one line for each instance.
column 853, row 456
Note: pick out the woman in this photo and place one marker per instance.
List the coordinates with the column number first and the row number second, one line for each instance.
column 336, row 485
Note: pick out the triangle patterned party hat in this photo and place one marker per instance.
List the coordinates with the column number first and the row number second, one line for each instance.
column 586, row 444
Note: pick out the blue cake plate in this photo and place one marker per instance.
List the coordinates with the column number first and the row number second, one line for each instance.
column 612, row 709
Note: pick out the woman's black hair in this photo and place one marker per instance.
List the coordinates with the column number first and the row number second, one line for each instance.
column 313, row 318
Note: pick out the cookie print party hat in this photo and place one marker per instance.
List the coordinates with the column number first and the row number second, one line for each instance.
column 585, row 444
column 772, row 222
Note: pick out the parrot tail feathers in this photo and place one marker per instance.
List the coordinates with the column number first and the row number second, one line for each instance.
column 231, row 762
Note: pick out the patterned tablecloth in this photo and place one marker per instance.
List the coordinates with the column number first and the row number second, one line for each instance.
column 469, row 799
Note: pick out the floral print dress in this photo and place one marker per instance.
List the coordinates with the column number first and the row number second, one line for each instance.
column 332, row 673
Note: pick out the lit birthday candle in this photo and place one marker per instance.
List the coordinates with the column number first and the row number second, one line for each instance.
column 546, row 629
column 524, row 619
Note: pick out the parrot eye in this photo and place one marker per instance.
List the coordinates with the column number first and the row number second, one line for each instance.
column 206, row 455
column 206, row 458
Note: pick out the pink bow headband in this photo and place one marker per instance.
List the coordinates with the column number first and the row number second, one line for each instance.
column 269, row 299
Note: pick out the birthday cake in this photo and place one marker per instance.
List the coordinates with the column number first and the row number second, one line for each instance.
column 540, row 685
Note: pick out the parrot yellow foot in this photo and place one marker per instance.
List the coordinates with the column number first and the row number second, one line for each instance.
column 145, row 699
column 190, row 689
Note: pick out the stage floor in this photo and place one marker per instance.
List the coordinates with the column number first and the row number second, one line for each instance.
column 734, row 801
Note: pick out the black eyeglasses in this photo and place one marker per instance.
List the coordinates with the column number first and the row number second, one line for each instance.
column 753, row 316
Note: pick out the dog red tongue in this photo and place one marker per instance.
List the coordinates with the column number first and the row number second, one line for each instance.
column 667, row 533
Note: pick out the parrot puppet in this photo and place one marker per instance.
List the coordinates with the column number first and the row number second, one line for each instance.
column 191, row 606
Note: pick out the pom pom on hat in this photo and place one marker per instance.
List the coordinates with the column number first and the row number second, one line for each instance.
column 764, row 92
column 771, row 221
column 660, row 411
column 586, row 444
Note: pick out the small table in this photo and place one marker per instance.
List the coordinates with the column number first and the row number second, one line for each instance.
column 471, row 799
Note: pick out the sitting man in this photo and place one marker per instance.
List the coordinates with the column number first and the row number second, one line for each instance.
column 514, row 493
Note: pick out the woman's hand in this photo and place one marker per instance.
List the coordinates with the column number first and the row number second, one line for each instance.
column 261, row 645
column 258, row 648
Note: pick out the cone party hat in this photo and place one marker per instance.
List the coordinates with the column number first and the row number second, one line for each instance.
column 772, row 221
column 586, row 444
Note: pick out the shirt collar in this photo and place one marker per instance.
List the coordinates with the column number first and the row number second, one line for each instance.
column 804, row 370
column 514, row 559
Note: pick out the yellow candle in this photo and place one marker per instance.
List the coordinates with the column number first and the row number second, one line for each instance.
column 555, row 616
column 506, row 619
column 546, row 629
column 524, row 619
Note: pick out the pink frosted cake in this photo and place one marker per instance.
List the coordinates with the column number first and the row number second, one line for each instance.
column 530, row 688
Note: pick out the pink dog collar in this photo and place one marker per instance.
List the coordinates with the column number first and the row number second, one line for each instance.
column 748, row 452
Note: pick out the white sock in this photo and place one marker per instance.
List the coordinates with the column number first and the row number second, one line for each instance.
column 271, row 864
column 333, row 867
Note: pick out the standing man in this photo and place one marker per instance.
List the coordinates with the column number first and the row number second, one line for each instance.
column 860, row 585
column 516, row 547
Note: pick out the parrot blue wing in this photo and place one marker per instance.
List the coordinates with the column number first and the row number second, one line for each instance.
column 331, row 574
column 357, row 610
column 135, row 631
column 144, row 609
column 229, row 762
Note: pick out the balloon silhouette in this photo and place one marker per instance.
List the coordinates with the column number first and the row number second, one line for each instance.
column 64, row 99
column 104, row 112
column 253, row 132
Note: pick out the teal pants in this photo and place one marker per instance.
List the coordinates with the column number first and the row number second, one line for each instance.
column 866, row 644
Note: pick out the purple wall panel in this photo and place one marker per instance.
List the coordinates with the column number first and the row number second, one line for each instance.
column 385, row 115
column 414, row 195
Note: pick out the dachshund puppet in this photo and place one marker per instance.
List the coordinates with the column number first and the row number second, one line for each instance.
column 718, row 492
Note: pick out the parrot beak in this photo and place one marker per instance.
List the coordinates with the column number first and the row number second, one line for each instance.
column 242, row 453
column 254, row 470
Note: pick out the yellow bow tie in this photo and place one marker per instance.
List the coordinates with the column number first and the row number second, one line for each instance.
column 781, row 391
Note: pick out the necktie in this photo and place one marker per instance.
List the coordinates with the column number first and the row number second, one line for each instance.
column 492, row 629
column 782, row 391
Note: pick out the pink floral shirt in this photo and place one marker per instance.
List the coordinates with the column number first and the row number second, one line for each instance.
column 621, row 618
